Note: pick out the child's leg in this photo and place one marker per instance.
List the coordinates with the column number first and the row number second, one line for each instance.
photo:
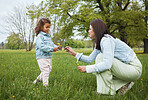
column 45, row 67
column 40, row 77
column 50, row 64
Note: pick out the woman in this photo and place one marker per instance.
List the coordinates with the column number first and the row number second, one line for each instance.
column 116, row 65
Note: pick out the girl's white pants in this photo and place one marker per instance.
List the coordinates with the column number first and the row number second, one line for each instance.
column 45, row 66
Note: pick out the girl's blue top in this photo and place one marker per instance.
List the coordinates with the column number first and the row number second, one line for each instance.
column 110, row 48
column 44, row 46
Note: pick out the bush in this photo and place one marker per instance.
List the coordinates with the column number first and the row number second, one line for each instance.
column 75, row 43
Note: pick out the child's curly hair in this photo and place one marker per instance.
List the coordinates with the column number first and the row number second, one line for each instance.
column 40, row 25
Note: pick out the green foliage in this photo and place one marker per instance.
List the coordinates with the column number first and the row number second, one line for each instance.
column 19, row 69
column 133, row 24
column 75, row 43
column 15, row 42
column 124, row 18
column 88, row 43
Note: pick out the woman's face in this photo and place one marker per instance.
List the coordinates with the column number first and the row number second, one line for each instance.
column 46, row 27
column 91, row 32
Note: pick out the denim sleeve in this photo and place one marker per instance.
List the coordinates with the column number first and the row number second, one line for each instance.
column 43, row 46
column 88, row 59
column 108, row 55
column 54, row 45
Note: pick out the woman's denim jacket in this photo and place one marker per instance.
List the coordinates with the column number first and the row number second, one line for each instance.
column 44, row 46
column 110, row 48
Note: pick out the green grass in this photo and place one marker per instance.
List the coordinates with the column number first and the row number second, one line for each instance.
column 18, row 69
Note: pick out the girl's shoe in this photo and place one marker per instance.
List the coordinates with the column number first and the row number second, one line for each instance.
column 35, row 81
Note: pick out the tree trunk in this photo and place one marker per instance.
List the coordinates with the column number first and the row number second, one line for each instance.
column 26, row 46
column 145, row 45
column 25, row 43
column 31, row 46
column 146, row 21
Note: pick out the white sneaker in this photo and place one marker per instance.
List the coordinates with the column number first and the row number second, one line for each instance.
column 35, row 81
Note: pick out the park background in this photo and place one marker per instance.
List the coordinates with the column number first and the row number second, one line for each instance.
column 126, row 19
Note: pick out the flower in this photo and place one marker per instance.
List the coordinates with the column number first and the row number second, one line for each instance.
column 13, row 96
column 141, row 79
column 33, row 88
column 39, row 91
column 58, row 43
column 13, row 84
column 77, row 64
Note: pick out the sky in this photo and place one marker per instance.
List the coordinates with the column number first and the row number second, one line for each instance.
column 6, row 6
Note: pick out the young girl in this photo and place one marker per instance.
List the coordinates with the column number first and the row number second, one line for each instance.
column 116, row 65
column 44, row 49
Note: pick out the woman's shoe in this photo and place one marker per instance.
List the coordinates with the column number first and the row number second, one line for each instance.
column 126, row 87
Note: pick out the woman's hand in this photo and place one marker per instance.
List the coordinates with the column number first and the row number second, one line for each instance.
column 82, row 68
column 70, row 51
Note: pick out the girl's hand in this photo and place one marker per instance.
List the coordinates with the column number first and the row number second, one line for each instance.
column 55, row 49
column 59, row 47
column 82, row 68
column 70, row 51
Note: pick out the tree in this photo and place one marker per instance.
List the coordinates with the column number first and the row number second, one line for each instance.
column 32, row 25
column 133, row 23
column 75, row 43
column 14, row 41
column 2, row 45
column 18, row 22
column 122, row 18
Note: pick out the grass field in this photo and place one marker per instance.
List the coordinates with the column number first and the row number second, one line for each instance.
column 18, row 69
